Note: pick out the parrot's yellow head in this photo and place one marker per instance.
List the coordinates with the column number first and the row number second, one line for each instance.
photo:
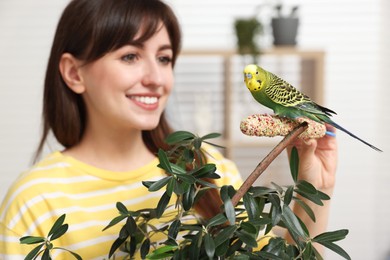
column 255, row 77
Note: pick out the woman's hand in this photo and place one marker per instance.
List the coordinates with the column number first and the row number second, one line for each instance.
column 318, row 161
column 317, row 165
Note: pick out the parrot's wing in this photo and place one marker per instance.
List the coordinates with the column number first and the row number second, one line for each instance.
column 282, row 93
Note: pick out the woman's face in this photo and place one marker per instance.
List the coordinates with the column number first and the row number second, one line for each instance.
column 129, row 87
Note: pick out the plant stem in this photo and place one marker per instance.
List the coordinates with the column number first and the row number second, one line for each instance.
column 260, row 168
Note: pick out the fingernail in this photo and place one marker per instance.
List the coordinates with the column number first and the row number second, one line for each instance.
column 330, row 133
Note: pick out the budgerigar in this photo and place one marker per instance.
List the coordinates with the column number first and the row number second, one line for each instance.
column 285, row 100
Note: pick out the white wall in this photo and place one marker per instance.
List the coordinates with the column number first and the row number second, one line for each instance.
column 355, row 35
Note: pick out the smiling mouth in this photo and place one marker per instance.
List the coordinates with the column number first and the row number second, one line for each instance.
column 145, row 99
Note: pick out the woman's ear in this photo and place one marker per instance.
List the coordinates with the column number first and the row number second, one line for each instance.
column 69, row 68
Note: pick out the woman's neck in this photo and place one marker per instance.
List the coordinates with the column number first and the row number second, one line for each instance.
column 111, row 150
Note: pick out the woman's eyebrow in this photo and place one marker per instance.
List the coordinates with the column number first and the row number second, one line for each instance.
column 165, row 47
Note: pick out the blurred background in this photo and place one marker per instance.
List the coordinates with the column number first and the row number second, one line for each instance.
column 340, row 58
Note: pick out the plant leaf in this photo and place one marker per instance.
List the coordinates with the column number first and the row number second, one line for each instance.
column 275, row 246
column 174, row 229
column 197, row 143
column 162, row 204
column 323, row 196
column 247, row 238
column 224, row 235
column 179, row 136
column 176, row 169
column 204, row 171
column 145, row 247
column 130, row 225
column 248, row 227
column 278, row 188
column 57, row 224
column 314, row 198
column 194, row 248
column 115, row 221
column 211, row 136
column 261, row 221
column 294, row 164
column 307, row 253
column 187, row 178
column 306, row 208
column 276, row 210
column 207, row 184
column 46, row 254
column 268, row 256
column 335, row 248
column 117, row 243
column 188, row 155
column 234, row 247
column 331, row 236
column 288, row 195
column 261, row 191
column 209, row 245
column 34, row 253
column 159, row 184
column 222, row 248
column 164, row 162
column 306, row 187
column 122, row 208
column 188, row 198
column 251, row 207
column 181, row 187
column 147, row 183
column 293, row 225
column 31, row 240
column 59, row 232
column 230, row 211
column 218, row 219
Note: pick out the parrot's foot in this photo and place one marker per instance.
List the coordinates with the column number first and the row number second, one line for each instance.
column 272, row 125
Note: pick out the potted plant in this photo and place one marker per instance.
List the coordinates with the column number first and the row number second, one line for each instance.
column 285, row 26
column 231, row 234
column 247, row 30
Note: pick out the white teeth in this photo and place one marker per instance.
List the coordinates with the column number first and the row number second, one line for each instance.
column 145, row 100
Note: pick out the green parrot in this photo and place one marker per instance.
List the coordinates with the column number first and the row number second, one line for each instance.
column 285, row 100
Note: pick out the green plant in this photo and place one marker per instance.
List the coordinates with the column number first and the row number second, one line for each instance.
column 247, row 31
column 45, row 245
column 231, row 234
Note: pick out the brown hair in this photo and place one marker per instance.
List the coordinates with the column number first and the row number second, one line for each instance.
column 88, row 30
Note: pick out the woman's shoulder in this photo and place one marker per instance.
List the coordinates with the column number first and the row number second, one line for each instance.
column 31, row 183
column 51, row 163
column 43, row 176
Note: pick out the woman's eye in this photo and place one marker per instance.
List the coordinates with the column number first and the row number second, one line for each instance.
column 129, row 58
column 165, row 59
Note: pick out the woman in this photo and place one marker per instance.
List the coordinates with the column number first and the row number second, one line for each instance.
column 108, row 78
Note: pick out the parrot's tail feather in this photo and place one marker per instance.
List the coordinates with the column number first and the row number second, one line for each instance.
column 327, row 111
column 351, row 134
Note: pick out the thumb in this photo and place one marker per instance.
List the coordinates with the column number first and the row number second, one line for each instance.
column 308, row 147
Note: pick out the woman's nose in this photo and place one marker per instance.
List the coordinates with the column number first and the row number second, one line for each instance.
column 152, row 74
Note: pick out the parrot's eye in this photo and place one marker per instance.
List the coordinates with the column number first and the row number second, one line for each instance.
column 248, row 75
column 257, row 72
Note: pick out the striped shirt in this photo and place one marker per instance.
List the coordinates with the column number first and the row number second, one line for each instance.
column 87, row 195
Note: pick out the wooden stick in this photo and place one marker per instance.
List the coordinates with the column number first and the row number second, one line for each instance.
column 260, row 168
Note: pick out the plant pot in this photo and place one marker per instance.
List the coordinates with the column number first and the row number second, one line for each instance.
column 285, row 30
